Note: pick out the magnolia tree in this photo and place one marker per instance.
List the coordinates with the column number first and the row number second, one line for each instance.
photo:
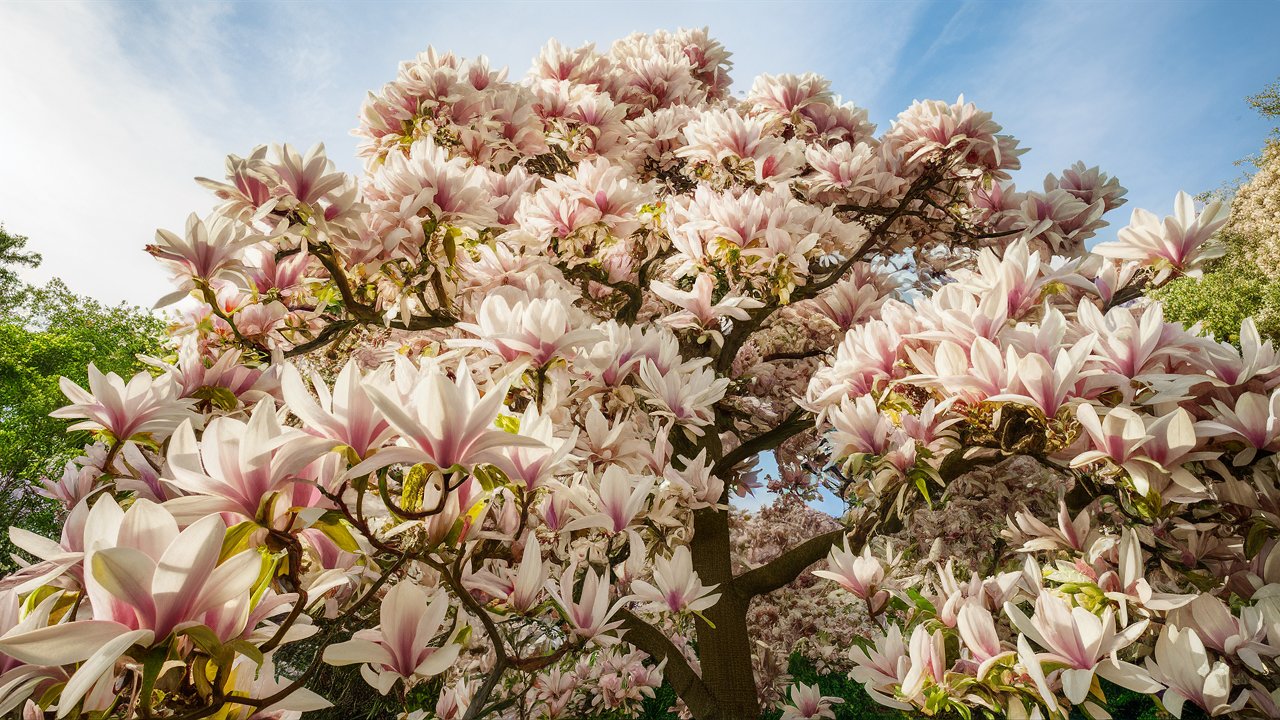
column 480, row 413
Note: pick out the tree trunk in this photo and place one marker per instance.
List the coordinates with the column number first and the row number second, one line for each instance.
column 724, row 651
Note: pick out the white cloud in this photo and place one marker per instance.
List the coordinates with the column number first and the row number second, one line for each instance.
column 95, row 156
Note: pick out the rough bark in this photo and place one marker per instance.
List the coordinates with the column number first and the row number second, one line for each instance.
column 724, row 645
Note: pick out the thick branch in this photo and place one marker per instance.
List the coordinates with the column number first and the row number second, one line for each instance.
column 796, row 355
column 797, row 422
column 786, row 567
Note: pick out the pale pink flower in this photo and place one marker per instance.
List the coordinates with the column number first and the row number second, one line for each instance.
column 535, row 465
column 806, row 702
column 686, row 394
column 861, row 574
column 519, row 327
column 1033, row 381
column 405, row 645
column 210, row 250
column 519, row 587
column 676, row 587
column 697, row 309
column 441, row 421
column 883, row 666
column 1255, row 419
column 619, row 498
column 346, row 415
column 1118, row 435
column 858, row 427
column 1036, row 536
column 1181, row 663
column 978, row 632
column 696, row 480
column 1178, row 244
column 237, row 467
column 1082, row 642
column 850, row 302
column 1244, row 637
column 141, row 572
column 590, row 613
column 143, row 405
column 927, row 662
column 259, row 680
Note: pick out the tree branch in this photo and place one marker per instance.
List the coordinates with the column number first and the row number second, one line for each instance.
column 796, row 355
column 786, row 567
column 797, row 422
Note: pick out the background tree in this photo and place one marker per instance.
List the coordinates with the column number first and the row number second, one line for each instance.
column 1245, row 282
column 47, row 333
column 12, row 257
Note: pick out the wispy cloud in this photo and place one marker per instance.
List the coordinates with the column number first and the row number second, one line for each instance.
column 95, row 156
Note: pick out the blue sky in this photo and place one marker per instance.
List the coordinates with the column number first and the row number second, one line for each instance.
column 111, row 109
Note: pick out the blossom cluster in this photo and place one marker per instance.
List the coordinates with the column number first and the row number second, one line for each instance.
column 1168, row 438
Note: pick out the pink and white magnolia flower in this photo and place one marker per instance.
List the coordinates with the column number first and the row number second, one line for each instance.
column 685, row 394
column 1118, row 435
column 519, row 587
column 1179, row 243
column 882, row 667
column 696, row 480
column 1082, row 642
column 927, row 658
column 806, row 702
column 346, row 415
column 1255, row 419
column 590, row 613
column 239, row 468
column 617, row 501
column 143, row 405
column 676, row 587
column 441, row 421
column 145, row 574
column 252, row 680
column 697, row 309
column 859, row 428
column 978, row 632
column 1071, row 534
column 1182, row 664
column 519, row 327
column 407, row 643
column 535, row 465
column 1244, row 637
column 1033, row 381
column 861, row 574
column 210, row 250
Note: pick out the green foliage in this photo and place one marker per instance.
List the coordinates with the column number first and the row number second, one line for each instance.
column 1229, row 292
column 1267, row 103
column 11, row 256
column 47, row 333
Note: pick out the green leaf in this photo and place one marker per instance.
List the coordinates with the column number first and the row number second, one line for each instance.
column 1259, row 533
column 247, row 649
column 335, row 527
column 921, row 601
column 205, row 639
column 220, row 397
column 152, row 664
column 236, row 539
